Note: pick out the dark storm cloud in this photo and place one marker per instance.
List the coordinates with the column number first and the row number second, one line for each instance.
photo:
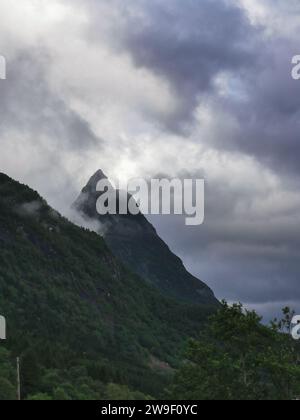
column 268, row 122
column 189, row 45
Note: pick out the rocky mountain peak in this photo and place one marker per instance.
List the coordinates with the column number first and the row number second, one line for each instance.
column 136, row 243
column 93, row 181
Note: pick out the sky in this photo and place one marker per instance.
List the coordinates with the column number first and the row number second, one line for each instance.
column 194, row 88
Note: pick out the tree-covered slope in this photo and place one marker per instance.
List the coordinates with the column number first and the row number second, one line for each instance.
column 78, row 318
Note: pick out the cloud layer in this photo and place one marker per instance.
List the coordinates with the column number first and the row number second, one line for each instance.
column 139, row 88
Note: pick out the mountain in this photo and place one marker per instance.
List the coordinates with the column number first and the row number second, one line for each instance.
column 84, row 325
column 136, row 243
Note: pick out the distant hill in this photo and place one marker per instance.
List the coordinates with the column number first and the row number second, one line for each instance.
column 136, row 243
column 79, row 319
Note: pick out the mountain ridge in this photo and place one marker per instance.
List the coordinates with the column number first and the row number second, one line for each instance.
column 137, row 244
column 79, row 319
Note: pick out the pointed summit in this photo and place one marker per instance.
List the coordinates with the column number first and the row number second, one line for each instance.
column 97, row 176
column 92, row 184
column 86, row 202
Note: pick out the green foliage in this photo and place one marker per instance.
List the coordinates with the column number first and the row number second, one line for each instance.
column 39, row 397
column 116, row 392
column 237, row 358
column 7, row 376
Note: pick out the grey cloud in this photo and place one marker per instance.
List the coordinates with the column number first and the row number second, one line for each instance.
column 41, row 131
column 188, row 45
column 249, row 257
column 268, row 122
column 242, row 256
column 191, row 45
column 27, row 104
column 31, row 209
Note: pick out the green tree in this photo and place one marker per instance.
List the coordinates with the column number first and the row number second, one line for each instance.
column 238, row 358
column 40, row 397
column 7, row 376
column 116, row 392
column 60, row 394
column 7, row 390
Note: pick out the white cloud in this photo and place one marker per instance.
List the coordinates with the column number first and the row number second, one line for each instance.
column 278, row 17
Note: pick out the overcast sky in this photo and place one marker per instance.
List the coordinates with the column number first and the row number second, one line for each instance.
column 145, row 87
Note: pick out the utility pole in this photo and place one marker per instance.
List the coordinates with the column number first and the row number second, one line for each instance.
column 18, row 380
column 2, row 328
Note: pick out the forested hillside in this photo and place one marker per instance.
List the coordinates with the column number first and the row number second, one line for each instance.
column 84, row 326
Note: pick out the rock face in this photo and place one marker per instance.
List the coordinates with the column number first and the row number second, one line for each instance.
column 136, row 243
